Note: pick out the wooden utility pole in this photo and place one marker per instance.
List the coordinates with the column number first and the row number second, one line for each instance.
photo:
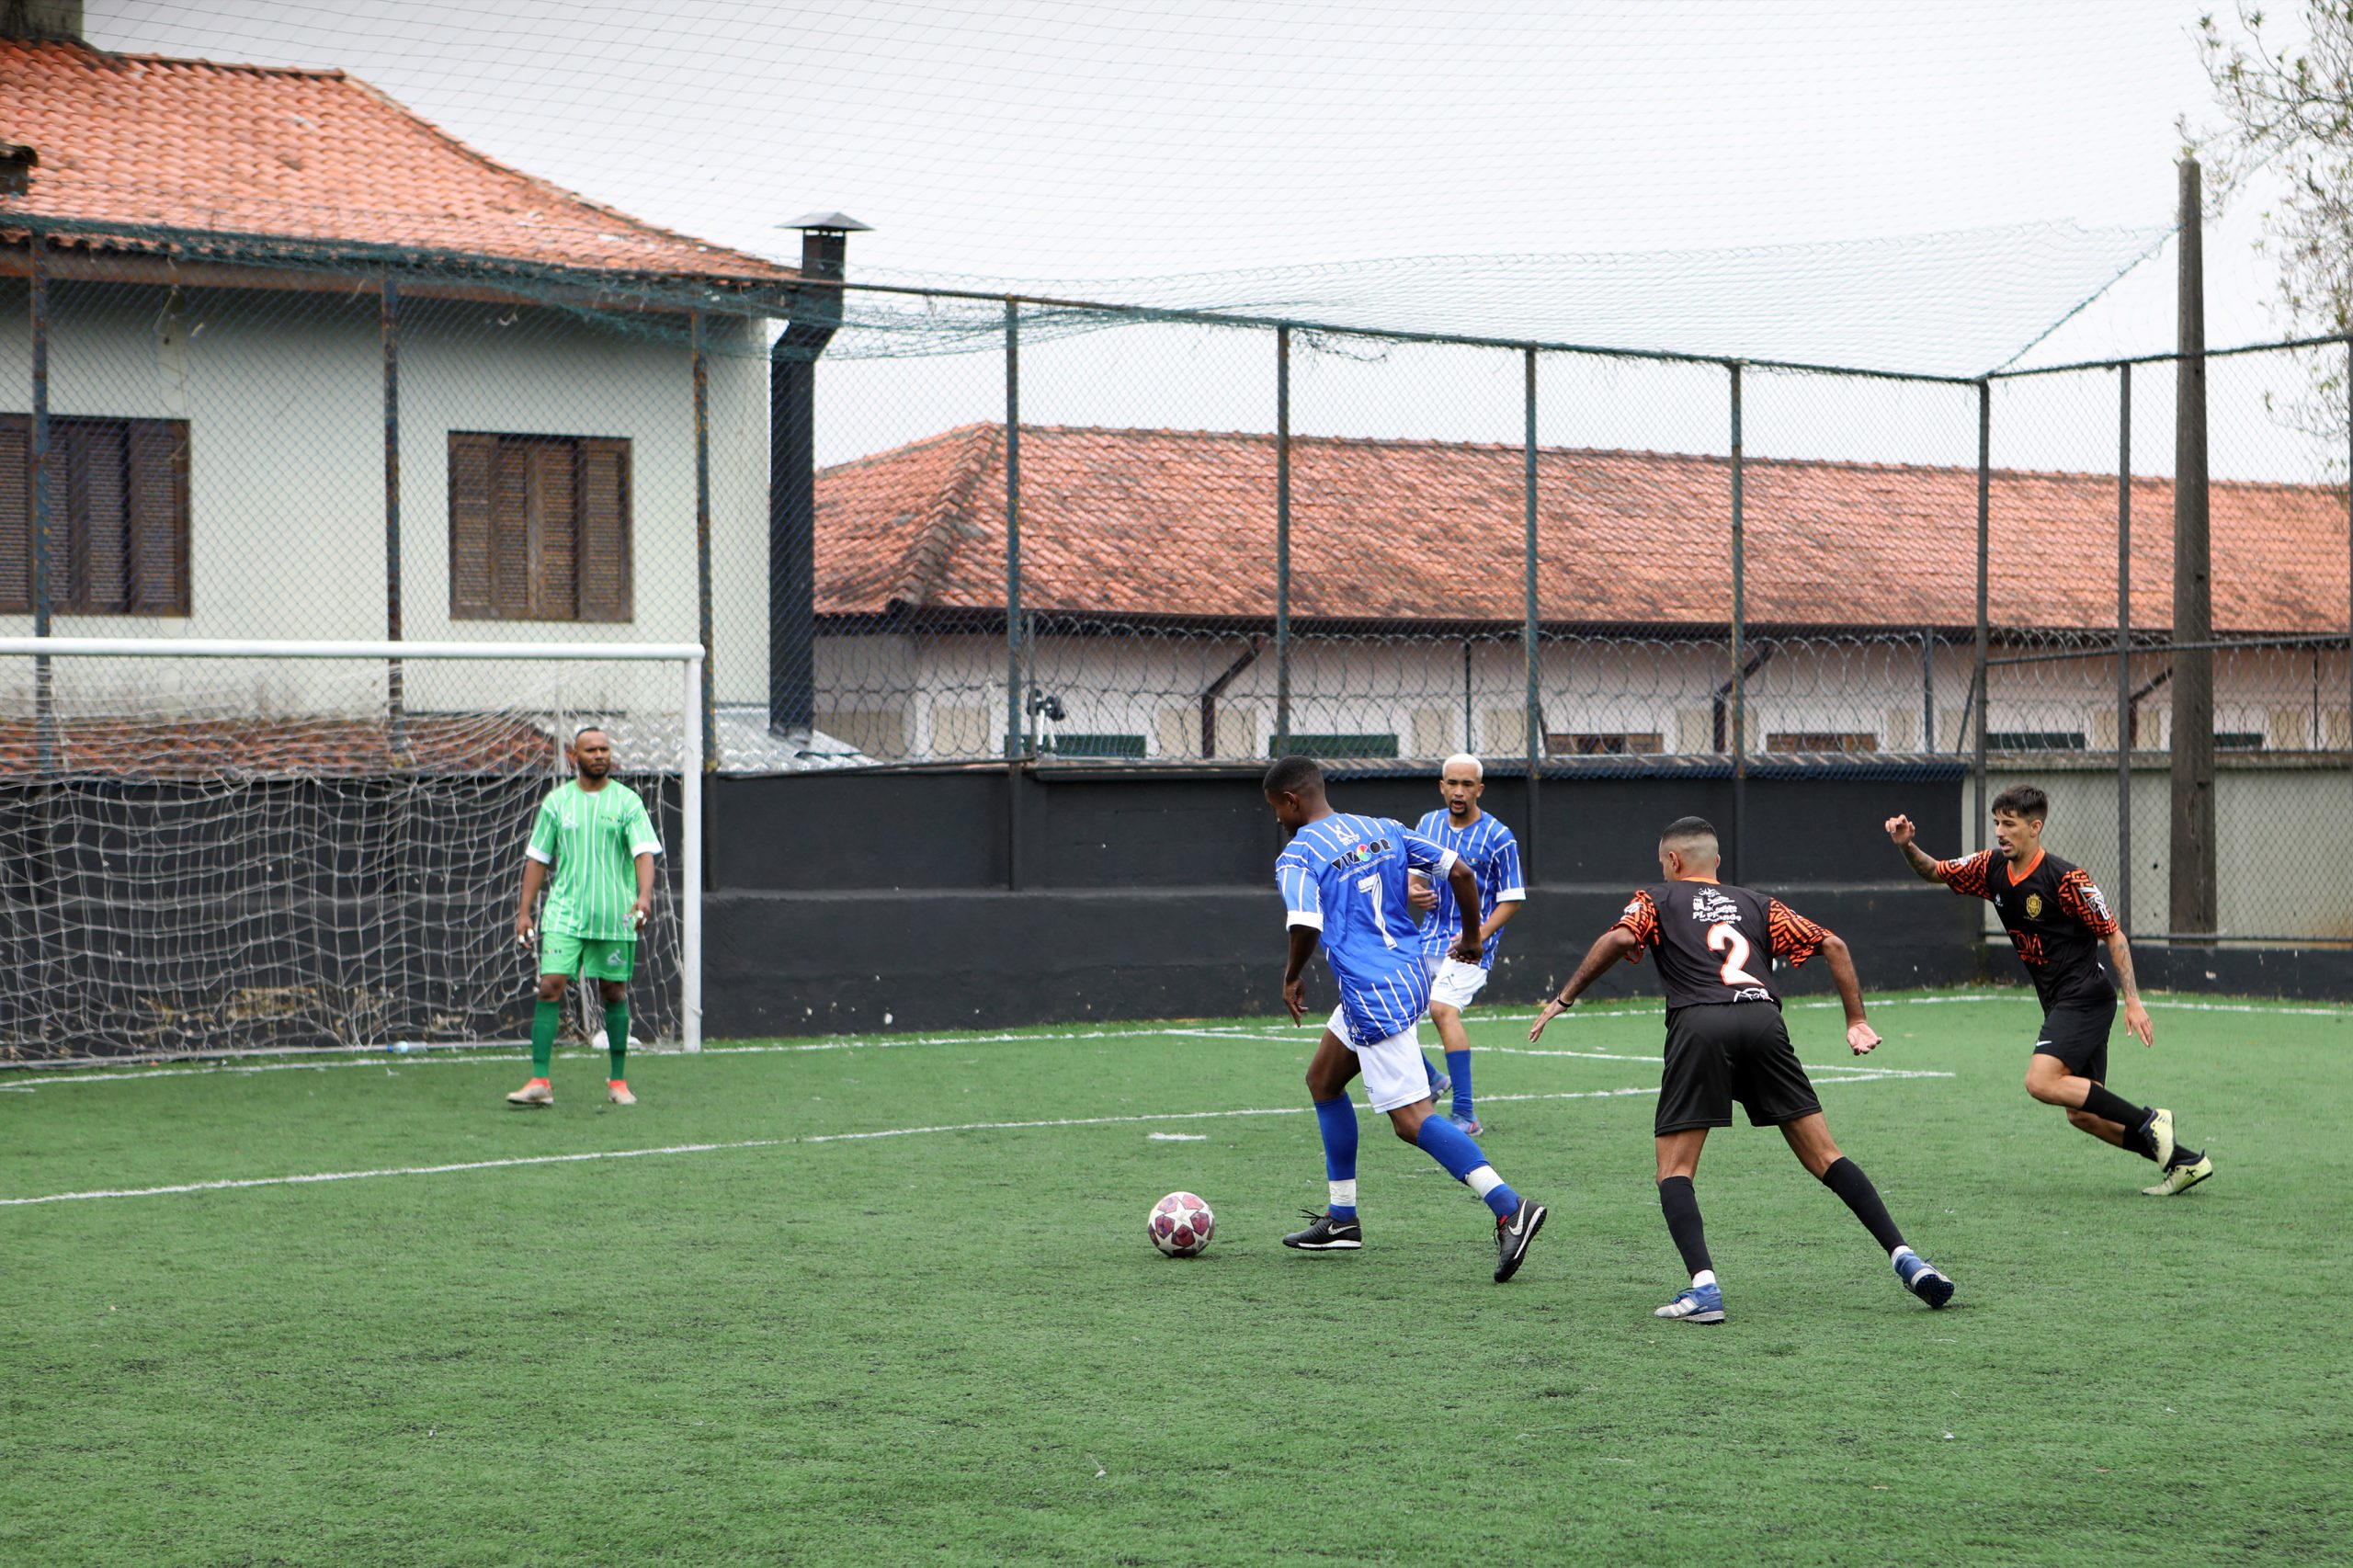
column 2192, row 905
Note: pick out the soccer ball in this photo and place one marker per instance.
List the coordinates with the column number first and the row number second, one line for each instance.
column 1180, row 1225
column 600, row 1041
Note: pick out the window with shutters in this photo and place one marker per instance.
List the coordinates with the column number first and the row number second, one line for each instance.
column 118, row 516
column 538, row 527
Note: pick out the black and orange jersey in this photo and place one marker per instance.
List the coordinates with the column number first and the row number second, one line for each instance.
column 2056, row 918
column 1717, row 943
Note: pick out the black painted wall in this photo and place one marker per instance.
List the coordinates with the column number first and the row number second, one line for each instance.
column 845, row 902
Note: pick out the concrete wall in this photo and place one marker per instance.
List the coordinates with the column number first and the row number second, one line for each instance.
column 1152, row 897
column 942, row 695
column 2283, row 830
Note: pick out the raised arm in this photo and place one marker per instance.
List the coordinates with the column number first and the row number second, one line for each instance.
column 1615, row 945
column 1929, row 869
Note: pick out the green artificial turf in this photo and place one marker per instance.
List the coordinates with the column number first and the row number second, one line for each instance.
column 958, row 1346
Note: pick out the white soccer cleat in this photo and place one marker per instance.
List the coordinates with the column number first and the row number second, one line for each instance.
column 618, row 1092
column 537, row 1094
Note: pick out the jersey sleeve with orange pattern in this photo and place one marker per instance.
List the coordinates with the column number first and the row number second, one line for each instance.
column 1640, row 919
column 2081, row 897
column 1794, row 938
column 1972, row 876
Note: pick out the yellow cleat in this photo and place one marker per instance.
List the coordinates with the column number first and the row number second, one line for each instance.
column 2182, row 1177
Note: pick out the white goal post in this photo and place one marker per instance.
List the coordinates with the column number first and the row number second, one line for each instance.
column 190, row 822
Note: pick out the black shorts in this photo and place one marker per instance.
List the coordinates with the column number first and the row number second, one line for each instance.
column 2078, row 1036
column 1722, row 1051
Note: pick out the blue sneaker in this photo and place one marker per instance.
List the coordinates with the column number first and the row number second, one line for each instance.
column 1700, row 1303
column 1921, row 1278
column 1465, row 1120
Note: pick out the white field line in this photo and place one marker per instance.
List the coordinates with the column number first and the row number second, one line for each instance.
column 38, row 1079
column 240, row 1183
column 387, row 1062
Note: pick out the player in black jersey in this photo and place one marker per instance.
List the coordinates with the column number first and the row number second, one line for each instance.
column 2058, row 922
column 1726, row 1042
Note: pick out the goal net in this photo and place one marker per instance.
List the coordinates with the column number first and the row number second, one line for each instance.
column 215, row 848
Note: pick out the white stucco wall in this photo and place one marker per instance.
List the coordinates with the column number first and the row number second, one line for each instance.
column 283, row 395
column 940, row 695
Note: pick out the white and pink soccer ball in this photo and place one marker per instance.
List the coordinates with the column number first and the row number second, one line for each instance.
column 1180, row 1225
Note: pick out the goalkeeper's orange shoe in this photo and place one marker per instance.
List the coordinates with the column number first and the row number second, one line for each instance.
column 537, row 1094
column 618, row 1092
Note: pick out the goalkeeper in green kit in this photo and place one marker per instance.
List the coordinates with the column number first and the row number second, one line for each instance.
column 596, row 835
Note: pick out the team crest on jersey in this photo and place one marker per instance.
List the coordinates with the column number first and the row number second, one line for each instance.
column 1713, row 905
column 2034, row 906
column 613, row 956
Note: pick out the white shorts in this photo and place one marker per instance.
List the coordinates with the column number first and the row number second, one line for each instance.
column 1452, row 982
column 1394, row 1073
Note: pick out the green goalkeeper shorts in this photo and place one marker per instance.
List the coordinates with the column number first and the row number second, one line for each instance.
column 592, row 958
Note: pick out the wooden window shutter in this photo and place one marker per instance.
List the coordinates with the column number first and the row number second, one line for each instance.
column 15, row 514
column 470, row 461
column 510, row 531
column 554, row 530
column 605, row 567
column 98, row 556
column 156, row 564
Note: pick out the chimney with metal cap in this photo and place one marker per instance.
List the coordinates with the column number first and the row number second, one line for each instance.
column 812, row 318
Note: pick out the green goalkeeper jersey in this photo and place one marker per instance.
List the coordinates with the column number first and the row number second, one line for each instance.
column 593, row 837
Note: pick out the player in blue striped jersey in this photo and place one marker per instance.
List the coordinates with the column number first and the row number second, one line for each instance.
column 1493, row 855
column 1344, row 885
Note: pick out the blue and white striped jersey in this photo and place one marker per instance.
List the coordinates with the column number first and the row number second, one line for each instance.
column 1493, row 858
column 1344, row 875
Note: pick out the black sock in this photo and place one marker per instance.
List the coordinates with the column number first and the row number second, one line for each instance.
column 1847, row 1179
column 1681, row 1205
column 2108, row 1106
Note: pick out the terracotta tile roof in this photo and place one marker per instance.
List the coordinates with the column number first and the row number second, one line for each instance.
column 1182, row 523
column 140, row 749
column 305, row 156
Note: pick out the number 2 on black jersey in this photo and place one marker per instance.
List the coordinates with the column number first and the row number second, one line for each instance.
column 1725, row 939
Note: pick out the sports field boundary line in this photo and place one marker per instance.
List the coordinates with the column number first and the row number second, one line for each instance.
column 36, row 1076
column 232, row 1183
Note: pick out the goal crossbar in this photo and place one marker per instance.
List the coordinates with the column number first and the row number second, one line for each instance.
column 688, row 654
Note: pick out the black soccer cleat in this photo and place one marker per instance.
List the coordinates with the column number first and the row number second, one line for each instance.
column 1326, row 1234
column 1513, row 1235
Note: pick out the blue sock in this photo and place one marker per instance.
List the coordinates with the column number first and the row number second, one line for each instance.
column 1458, row 1067
column 1452, row 1147
column 1429, row 1071
column 1336, row 1119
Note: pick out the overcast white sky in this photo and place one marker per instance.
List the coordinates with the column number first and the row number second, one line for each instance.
column 1064, row 141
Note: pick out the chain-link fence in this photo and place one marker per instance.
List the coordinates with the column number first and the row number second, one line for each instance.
column 921, row 528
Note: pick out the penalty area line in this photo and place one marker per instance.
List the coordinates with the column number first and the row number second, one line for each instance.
column 320, row 1177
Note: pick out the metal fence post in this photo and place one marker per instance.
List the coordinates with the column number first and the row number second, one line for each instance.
column 1984, row 637
column 1529, row 632
column 44, row 696
column 1282, row 540
column 703, row 629
column 1013, row 726
column 1738, row 734
column 1929, row 690
column 2124, row 643
column 396, row 682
